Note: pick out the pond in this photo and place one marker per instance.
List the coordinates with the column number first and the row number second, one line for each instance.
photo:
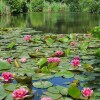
column 58, row 66
column 60, row 23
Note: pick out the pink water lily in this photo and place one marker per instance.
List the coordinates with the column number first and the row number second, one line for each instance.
column 58, row 53
column 75, row 62
column 20, row 93
column 87, row 92
column 50, row 60
column 9, row 60
column 46, row 98
column 23, row 60
column 27, row 37
column 7, row 76
column 72, row 43
column 53, row 60
column 56, row 60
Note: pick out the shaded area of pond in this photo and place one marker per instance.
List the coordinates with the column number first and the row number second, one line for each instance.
column 61, row 22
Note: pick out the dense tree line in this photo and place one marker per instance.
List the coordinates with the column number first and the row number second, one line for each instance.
column 18, row 6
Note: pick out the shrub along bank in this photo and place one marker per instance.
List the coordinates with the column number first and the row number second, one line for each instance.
column 21, row 6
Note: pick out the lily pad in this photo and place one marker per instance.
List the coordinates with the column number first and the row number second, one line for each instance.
column 42, row 84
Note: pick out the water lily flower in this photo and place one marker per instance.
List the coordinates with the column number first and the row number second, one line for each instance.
column 58, row 53
column 9, row 60
column 50, row 60
column 27, row 37
column 72, row 43
column 7, row 76
column 87, row 92
column 20, row 93
column 56, row 60
column 46, row 98
column 75, row 62
column 23, row 60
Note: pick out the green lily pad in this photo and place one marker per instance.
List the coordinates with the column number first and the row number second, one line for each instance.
column 65, row 74
column 41, row 62
column 42, row 84
column 73, row 91
column 4, row 65
column 52, row 95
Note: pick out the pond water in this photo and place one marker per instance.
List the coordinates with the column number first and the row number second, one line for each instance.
column 61, row 22
column 12, row 45
column 57, row 79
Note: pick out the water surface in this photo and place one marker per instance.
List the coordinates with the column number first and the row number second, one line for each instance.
column 61, row 22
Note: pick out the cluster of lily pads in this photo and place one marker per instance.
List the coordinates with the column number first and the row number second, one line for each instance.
column 30, row 59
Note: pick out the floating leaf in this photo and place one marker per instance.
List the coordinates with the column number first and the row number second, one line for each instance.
column 4, row 65
column 52, row 95
column 84, row 46
column 67, row 52
column 41, row 62
column 73, row 91
column 65, row 74
column 10, row 87
column 49, row 41
column 64, row 39
column 42, row 84
column 11, row 45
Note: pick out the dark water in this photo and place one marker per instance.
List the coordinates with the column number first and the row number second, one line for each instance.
column 53, row 22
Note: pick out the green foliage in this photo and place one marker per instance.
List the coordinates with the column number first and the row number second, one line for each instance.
column 94, row 6
column 55, row 6
column 4, row 65
column 74, row 7
column 41, row 62
column 17, row 6
column 37, row 5
column 11, row 45
column 97, row 52
column 96, row 31
column 4, row 9
column 74, row 91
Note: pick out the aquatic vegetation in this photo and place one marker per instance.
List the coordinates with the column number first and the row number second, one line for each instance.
column 23, row 60
column 50, row 60
column 87, row 92
column 9, row 60
column 72, row 43
column 58, row 53
column 47, row 63
column 75, row 62
column 7, row 76
column 19, row 94
column 46, row 98
column 27, row 38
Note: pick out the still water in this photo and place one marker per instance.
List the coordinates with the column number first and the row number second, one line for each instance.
column 61, row 22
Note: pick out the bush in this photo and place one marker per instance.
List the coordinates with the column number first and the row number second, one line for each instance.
column 74, row 7
column 17, row 6
column 4, row 9
column 37, row 5
column 94, row 7
column 96, row 31
column 55, row 7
